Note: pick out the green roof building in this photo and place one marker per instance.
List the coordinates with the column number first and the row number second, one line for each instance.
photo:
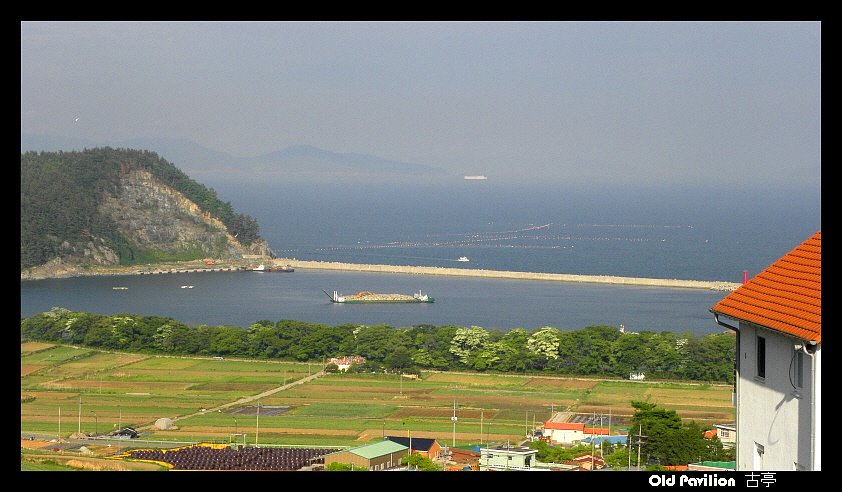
column 713, row 466
column 379, row 455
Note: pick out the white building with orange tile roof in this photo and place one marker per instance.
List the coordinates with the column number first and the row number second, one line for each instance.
column 564, row 432
column 778, row 363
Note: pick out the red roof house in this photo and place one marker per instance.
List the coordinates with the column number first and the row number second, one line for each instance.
column 778, row 316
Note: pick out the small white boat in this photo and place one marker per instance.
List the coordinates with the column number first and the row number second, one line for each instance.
column 186, row 286
column 463, row 258
column 120, row 288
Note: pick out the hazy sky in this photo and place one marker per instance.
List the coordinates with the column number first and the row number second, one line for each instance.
column 643, row 103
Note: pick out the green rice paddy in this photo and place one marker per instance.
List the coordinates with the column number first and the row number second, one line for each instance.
column 119, row 390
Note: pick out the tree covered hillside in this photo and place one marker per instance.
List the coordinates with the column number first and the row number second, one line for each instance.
column 64, row 212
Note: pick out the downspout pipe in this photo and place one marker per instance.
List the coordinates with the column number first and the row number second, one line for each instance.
column 736, row 330
column 813, row 414
column 722, row 323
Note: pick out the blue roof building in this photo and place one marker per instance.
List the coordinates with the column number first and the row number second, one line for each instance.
column 611, row 439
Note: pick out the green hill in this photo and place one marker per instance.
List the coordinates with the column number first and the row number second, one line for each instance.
column 107, row 206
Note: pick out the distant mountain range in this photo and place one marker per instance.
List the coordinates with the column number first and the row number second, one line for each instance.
column 297, row 162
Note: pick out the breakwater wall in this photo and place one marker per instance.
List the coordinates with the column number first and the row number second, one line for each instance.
column 468, row 272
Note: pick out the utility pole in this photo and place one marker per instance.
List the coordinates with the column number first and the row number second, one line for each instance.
column 593, row 440
column 481, row 415
column 526, row 427
column 79, row 430
column 59, row 422
column 602, row 441
column 454, row 423
column 629, row 447
column 640, row 438
column 257, row 429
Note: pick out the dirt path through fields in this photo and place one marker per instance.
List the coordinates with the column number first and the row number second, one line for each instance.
column 242, row 401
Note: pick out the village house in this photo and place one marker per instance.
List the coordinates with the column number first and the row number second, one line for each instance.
column 777, row 318
column 507, row 457
column 343, row 363
column 564, row 432
column 613, row 440
column 380, row 455
column 462, row 460
column 727, row 433
column 570, row 432
column 429, row 448
column 587, row 462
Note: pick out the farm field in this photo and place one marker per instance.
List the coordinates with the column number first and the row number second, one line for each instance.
column 119, row 390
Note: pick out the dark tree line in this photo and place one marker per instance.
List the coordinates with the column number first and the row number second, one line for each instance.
column 594, row 350
column 60, row 195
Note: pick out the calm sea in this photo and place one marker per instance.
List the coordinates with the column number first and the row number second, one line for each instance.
column 711, row 234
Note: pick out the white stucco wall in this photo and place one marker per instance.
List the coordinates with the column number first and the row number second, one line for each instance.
column 770, row 411
column 565, row 436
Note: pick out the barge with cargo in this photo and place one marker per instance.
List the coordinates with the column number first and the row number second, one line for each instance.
column 365, row 297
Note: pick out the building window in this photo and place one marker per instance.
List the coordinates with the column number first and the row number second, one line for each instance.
column 761, row 357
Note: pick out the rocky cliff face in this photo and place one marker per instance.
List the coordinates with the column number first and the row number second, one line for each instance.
column 152, row 217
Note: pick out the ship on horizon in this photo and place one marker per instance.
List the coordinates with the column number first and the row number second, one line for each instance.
column 476, row 178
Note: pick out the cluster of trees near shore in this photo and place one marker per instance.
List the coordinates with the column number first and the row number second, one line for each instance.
column 594, row 350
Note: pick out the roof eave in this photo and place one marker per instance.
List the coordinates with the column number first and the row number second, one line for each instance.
column 716, row 315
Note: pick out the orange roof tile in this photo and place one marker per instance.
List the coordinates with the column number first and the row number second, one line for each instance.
column 600, row 431
column 579, row 426
column 786, row 296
